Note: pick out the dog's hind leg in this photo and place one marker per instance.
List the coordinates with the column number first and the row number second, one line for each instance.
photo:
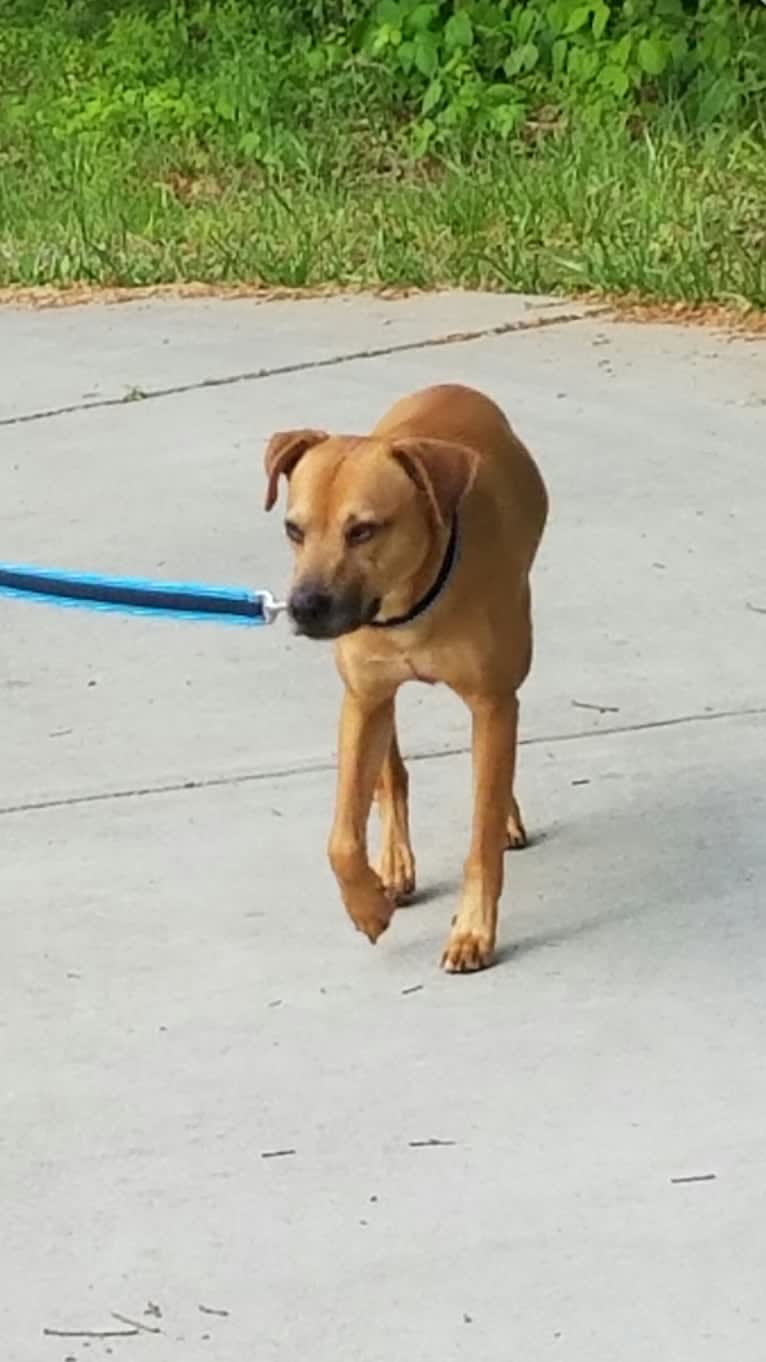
column 515, row 832
column 396, row 865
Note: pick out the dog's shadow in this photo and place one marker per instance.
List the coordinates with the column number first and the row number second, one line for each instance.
column 639, row 873
column 560, row 936
column 450, row 888
column 440, row 889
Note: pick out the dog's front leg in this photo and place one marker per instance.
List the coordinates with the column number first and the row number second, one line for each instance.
column 366, row 727
column 396, row 866
column 471, row 942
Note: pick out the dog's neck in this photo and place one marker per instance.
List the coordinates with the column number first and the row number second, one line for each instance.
column 426, row 587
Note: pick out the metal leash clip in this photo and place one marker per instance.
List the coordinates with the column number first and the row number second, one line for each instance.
column 272, row 608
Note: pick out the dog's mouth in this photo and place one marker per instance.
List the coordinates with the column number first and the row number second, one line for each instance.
column 323, row 615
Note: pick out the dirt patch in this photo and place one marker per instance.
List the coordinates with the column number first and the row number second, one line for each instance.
column 739, row 320
column 742, row 320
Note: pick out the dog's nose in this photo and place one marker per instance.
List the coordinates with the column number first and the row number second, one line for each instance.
column 310, row 607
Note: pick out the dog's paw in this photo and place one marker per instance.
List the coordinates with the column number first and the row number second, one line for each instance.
column 515, row 832
column 515, row 835
column 467, row 951
column 396, row 869
column 370, row 911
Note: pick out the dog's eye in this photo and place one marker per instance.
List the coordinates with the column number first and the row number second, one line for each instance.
column 361, row 533
column 294, row 532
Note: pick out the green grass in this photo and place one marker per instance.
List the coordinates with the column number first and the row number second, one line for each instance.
column 284, row 166
column 663, row 217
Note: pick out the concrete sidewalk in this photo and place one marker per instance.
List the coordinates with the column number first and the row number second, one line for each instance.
column 183, row 994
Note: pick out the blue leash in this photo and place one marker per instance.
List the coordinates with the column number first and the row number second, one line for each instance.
column 133, row 596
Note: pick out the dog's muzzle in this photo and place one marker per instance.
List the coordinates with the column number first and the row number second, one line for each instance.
column 318, row 613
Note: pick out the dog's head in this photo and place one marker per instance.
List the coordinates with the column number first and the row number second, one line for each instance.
column 363, row 515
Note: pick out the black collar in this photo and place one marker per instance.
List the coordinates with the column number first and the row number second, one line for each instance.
column 434, row 590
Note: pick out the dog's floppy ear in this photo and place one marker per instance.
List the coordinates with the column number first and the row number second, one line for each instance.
column 442, row 470
column 282, row 454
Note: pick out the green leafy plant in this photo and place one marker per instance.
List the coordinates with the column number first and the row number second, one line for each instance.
column 527, row 143
column 491, row 63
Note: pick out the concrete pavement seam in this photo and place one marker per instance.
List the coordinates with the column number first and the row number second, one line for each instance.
column 280, row 370
column 325, row 766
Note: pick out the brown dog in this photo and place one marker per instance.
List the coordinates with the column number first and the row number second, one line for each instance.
column 414, row 546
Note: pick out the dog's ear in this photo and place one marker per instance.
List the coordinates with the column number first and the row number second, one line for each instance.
column 442, row 470
column 282, row 454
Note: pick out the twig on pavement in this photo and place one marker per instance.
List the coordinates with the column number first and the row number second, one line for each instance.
column 136, row 1323
column 91, row 1333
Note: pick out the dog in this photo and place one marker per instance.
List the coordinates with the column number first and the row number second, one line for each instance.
column 413, row 549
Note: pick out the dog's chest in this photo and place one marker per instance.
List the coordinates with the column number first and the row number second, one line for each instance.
column 418, row 671
column 402, row 667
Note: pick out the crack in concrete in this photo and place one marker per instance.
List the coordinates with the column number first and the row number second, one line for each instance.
column 136, row 394
column 325, row 766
